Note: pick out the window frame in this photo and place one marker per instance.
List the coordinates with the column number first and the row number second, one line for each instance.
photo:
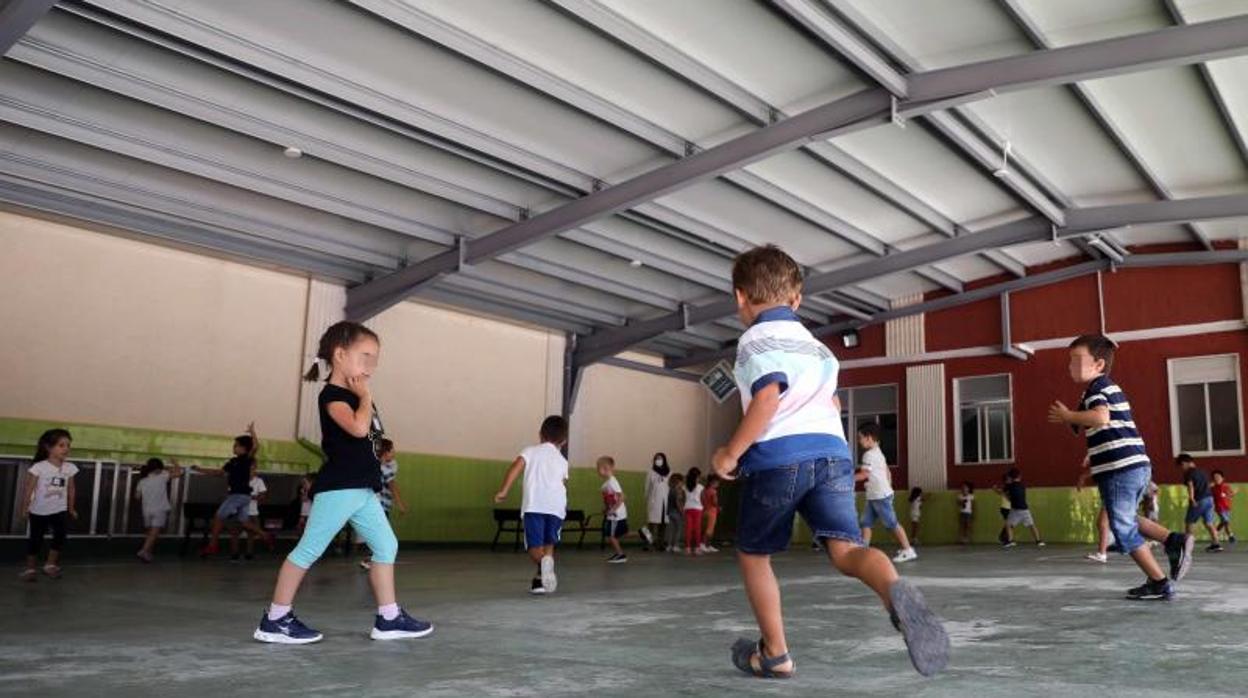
column 982, row 421
column 1173, row 389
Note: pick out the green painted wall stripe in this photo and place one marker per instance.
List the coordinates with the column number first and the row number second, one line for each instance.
column 451, row 499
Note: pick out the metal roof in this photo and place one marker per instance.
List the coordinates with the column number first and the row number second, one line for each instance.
column 592, row 166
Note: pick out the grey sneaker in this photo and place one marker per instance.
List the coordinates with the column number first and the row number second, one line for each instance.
column 925, row 635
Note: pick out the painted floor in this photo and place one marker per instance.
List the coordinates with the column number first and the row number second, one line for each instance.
column 1024, row 622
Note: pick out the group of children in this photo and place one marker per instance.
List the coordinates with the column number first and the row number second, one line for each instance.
column 680, row 509
column 788, row 453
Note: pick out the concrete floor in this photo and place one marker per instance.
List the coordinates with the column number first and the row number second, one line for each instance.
column 1024, row 622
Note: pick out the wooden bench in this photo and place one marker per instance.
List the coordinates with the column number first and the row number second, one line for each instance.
column 576, row 521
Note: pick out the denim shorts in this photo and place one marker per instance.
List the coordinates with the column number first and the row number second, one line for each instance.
column 882, row 510
column 1201, row 510
column 541, row 529
column 1224, row 517
column 1121, row 492
column 236, row 507
column 821, row 490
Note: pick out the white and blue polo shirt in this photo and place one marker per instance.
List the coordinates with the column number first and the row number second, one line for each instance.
column 777, row 348
column 1117, row 445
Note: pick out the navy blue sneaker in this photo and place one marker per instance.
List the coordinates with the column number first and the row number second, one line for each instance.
column 287, row 630
column 403, row 626
column 1150, row 590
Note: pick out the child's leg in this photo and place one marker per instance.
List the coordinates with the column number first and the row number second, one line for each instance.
column 1102, row 535
column 615, row 545
column 763, row 592
column 38, row 527
column 1035, row 533
column 690, row 528
column 57, row 523
column 374, row 528
column 214, row 538
column 914, row 530
column 1153, row 530
column 698, row 540
column 150, row 541
column 711, row 518
column 330, row 511
column 1120, row 496
column 235, row 532
column 868, row 565
column 902, row 539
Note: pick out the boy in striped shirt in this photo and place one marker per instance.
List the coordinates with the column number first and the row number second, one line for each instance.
column 792, row 458
column 1119, row 464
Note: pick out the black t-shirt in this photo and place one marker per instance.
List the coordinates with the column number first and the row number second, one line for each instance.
column 350, row 462
column 1199, row 482
column 238, row 474
column 1017, row 494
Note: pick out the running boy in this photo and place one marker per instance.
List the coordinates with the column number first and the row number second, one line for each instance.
column 1120, row 466
column 792, row 457
column 545, row 501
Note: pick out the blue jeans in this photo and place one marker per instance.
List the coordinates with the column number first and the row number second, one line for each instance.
column 821, row 490
column 1202, row 509
column 881, row 509
column 1121, row 492
column 331, row 511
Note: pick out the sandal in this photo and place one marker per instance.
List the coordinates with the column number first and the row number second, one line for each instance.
column 743, row 651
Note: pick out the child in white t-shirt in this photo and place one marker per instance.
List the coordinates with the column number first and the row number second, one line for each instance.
column 47, row 499
column 152, row 491
column 614, row 513
column 545, row 500
column 880, row 492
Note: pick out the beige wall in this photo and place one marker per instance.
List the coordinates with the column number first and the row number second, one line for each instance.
column 456, row 384
column 107, row 330
column 630, row 415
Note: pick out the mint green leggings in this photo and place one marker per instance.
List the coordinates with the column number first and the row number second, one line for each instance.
column 331, row 511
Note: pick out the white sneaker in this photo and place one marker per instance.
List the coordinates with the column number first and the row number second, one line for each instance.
column 711, row 549
column 905, row 555
column 1097, row 557
column 549, row 581
column 645, row 533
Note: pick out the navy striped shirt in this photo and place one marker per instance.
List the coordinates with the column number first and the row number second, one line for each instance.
column 1116, row 445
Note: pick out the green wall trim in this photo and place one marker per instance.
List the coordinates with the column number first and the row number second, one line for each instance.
column 19, row 436
column 450, row 499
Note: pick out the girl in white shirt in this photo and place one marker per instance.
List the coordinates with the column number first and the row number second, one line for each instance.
column 47, row 499
column 153, row 491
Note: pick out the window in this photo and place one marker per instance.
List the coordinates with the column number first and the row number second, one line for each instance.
column 878, row 404
column 1205, row 417
column 985, row 428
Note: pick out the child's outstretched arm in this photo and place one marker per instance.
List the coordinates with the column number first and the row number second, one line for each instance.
column 1096, row 417
column 255, row 440
column 517, row 466
column 762, row 408
column 215, row 472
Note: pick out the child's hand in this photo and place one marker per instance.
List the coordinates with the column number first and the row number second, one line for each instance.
column 359, row 386
column 73, row 514
column 1059, row 413
column 724, row 463
column 251, row 428
column 499, row 497
column 402, row 509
